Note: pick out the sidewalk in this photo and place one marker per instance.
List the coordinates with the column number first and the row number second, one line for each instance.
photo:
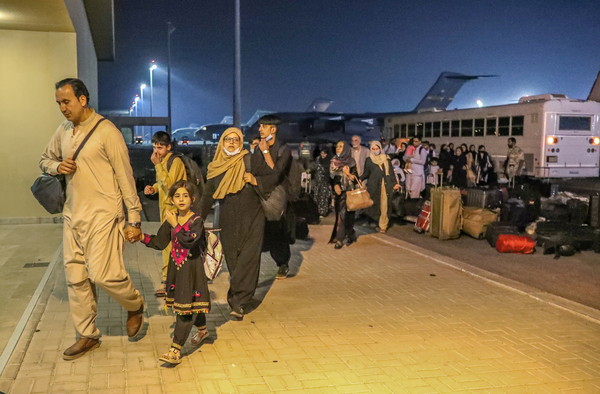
column 372, row 317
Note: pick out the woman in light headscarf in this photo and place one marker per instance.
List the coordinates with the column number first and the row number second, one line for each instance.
column 242, row 220
column 381, row 183
column 343, row 177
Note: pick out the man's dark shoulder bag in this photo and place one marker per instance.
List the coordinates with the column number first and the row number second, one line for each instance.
column 50, row 190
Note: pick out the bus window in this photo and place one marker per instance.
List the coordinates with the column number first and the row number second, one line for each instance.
column 436, row 129
column 455, row 130
column 517, row 125
column 583, row 123
column 504, row 126
column 466, row 128
column 446, row 129
column 479, row 123
column 490, row 127
column 427, row 132
column 396, row 131
column 419, row 129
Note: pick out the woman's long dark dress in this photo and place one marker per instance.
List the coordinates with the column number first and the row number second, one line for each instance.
column 242, row 224
column 374, row 174
column 322, row 186
column 343, row 228
column 485, row 166
column 459, row 173
column 187, row 286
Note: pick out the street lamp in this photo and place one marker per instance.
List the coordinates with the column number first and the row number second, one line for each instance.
column 170, row 30
column 142, row 87
column 152, row 68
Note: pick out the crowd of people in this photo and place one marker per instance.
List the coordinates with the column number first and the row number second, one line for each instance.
column 102, row 209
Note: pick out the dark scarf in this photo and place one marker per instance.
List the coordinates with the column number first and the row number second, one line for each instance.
column 344, row 159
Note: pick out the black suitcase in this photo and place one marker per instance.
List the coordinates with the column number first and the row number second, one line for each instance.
column 306, row 207
column 301, row 228
column 483, row 198
column 578, row 211
column 496, row 228
column 514, row 211
column 595, row 210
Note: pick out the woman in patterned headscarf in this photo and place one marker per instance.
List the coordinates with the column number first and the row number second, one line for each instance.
column 344, row 175
column 242, row 219
column 381, row 183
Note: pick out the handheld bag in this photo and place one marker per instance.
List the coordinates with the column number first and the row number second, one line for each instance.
column 509, row 243
column 50, row 190
column 213, row 259
column 358, row 198
column 274, row 205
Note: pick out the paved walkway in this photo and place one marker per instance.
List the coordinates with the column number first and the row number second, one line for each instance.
column 373, row 317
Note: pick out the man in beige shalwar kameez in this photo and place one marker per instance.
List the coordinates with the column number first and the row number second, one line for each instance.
column 98, row 183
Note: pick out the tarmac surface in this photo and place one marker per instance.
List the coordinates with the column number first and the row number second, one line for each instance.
column 382, row 316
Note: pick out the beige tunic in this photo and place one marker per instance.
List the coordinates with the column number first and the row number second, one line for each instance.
column 164, row 180
column 94, row 216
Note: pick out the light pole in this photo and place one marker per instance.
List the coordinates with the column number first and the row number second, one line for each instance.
column 170, row 30
column 135, row 105
column 142, row 87
column 152, row 68
column 237, row 76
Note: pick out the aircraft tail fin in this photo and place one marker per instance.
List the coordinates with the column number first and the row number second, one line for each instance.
column 441, row 94
column 595, row 91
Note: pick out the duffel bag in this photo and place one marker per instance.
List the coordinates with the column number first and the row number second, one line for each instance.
column 509, row 243
column 476, row 221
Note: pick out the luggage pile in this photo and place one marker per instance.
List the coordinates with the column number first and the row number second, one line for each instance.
column 561, row 225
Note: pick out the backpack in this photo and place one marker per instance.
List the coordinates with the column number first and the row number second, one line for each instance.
column 293, row 179
column 213, row 259
column 193, row 174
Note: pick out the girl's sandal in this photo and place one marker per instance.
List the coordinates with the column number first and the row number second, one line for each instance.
column 173, row 356
column 199, row 336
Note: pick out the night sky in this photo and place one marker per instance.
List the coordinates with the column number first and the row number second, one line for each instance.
column 366, row 56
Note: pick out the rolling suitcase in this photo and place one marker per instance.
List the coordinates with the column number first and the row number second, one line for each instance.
column 496, row 228
column 578, row 211
column 595, row 210
column 446, row 213
column 484, row 198
column 423, row 220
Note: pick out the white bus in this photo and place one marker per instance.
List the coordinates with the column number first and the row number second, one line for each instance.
column 559, row 136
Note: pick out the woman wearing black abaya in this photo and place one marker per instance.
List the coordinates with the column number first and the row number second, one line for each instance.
column 242, row 220
column 344, row 175
column 322, row 183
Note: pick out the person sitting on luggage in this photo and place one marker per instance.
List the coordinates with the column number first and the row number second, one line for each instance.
column 459, row 171
column 433, row 172
column 485, row 166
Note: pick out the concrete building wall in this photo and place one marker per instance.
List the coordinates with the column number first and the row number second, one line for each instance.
column 87, row 62
column 30, row 64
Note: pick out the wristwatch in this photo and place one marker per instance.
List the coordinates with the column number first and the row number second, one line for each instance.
column 265, row 151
